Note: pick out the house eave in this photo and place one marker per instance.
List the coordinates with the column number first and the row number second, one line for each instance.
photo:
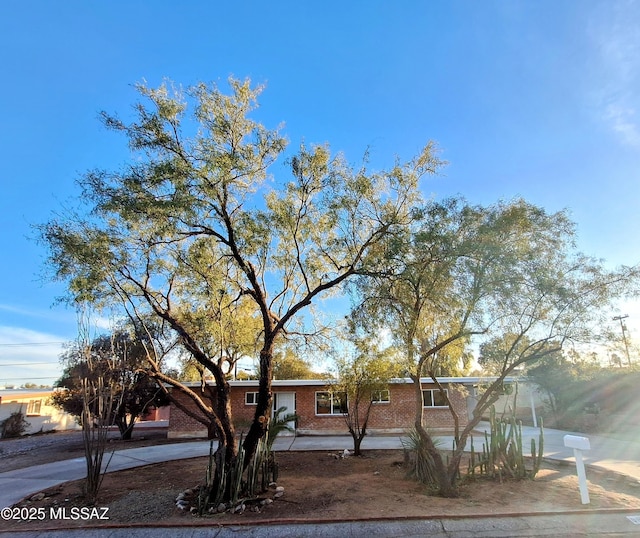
column 467, row 381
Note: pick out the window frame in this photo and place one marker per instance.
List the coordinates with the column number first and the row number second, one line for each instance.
column 433, row 393
column 34, row 408
column 377, row 396
column 255, row 398
column 335, row 403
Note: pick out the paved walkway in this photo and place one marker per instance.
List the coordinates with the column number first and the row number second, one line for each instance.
column 608, row 454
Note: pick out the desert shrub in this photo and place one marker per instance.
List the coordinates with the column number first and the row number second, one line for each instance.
column 14, row 425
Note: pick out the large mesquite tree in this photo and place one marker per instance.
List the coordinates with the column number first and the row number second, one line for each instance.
column 196, row 222
column 466, row 272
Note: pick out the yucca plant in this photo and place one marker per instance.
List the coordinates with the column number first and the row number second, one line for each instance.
column 421, row 466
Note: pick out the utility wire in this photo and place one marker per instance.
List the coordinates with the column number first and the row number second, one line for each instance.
column 28, row 363
column 32, row 344
column 20, row 378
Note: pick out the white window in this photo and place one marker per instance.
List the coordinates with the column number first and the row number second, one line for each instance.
column 331, row 403
column 34, row 406
column 251, row 398
column 434, row 398
column 380, row 396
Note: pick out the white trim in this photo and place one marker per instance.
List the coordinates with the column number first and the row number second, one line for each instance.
column 332, row 405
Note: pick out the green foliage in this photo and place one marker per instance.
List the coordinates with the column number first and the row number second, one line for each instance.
column 495, row 352
column 461, row 270
column 188, row 370
column 362, row 376
column 189, row 211
column 226, row 328
column 190, row 234
column 288, row 365
column 506, row 275
column 34, row 386
column 14, row 425
column 581, row 395
column 278, row 424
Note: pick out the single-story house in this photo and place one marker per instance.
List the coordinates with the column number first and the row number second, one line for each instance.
column 34, row 405
column 320, row 411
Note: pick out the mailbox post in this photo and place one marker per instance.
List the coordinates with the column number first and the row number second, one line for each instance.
column 579, row 444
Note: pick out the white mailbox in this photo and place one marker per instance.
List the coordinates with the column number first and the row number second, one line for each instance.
column 575, row 441
column 579, row 444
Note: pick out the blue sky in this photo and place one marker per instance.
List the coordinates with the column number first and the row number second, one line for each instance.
column 539, row 99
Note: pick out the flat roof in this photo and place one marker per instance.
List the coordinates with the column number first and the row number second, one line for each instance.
column 26, row 393
column 324, row 382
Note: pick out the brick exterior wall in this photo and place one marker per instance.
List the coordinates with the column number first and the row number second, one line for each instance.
column 181, row 424
column 395, row 416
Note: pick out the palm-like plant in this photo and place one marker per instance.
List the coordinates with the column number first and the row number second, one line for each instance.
column 280, row 423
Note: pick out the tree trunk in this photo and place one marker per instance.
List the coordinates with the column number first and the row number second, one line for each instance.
column 358, row 432
column 127, row 433
column 215, row 415
column 446, row 482
column 262, row 415
column 224, row 429
column 447, row 486
column 357, row 441
column 125, row 427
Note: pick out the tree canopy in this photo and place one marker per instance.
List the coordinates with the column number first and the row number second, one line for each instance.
column 196, row 222
column 288, row 365
column 506, row 275
column 204, row 233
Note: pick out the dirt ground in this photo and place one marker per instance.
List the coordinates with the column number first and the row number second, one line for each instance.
column 319, row 486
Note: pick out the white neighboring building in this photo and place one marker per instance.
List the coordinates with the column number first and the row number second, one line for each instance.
column 35, row 407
